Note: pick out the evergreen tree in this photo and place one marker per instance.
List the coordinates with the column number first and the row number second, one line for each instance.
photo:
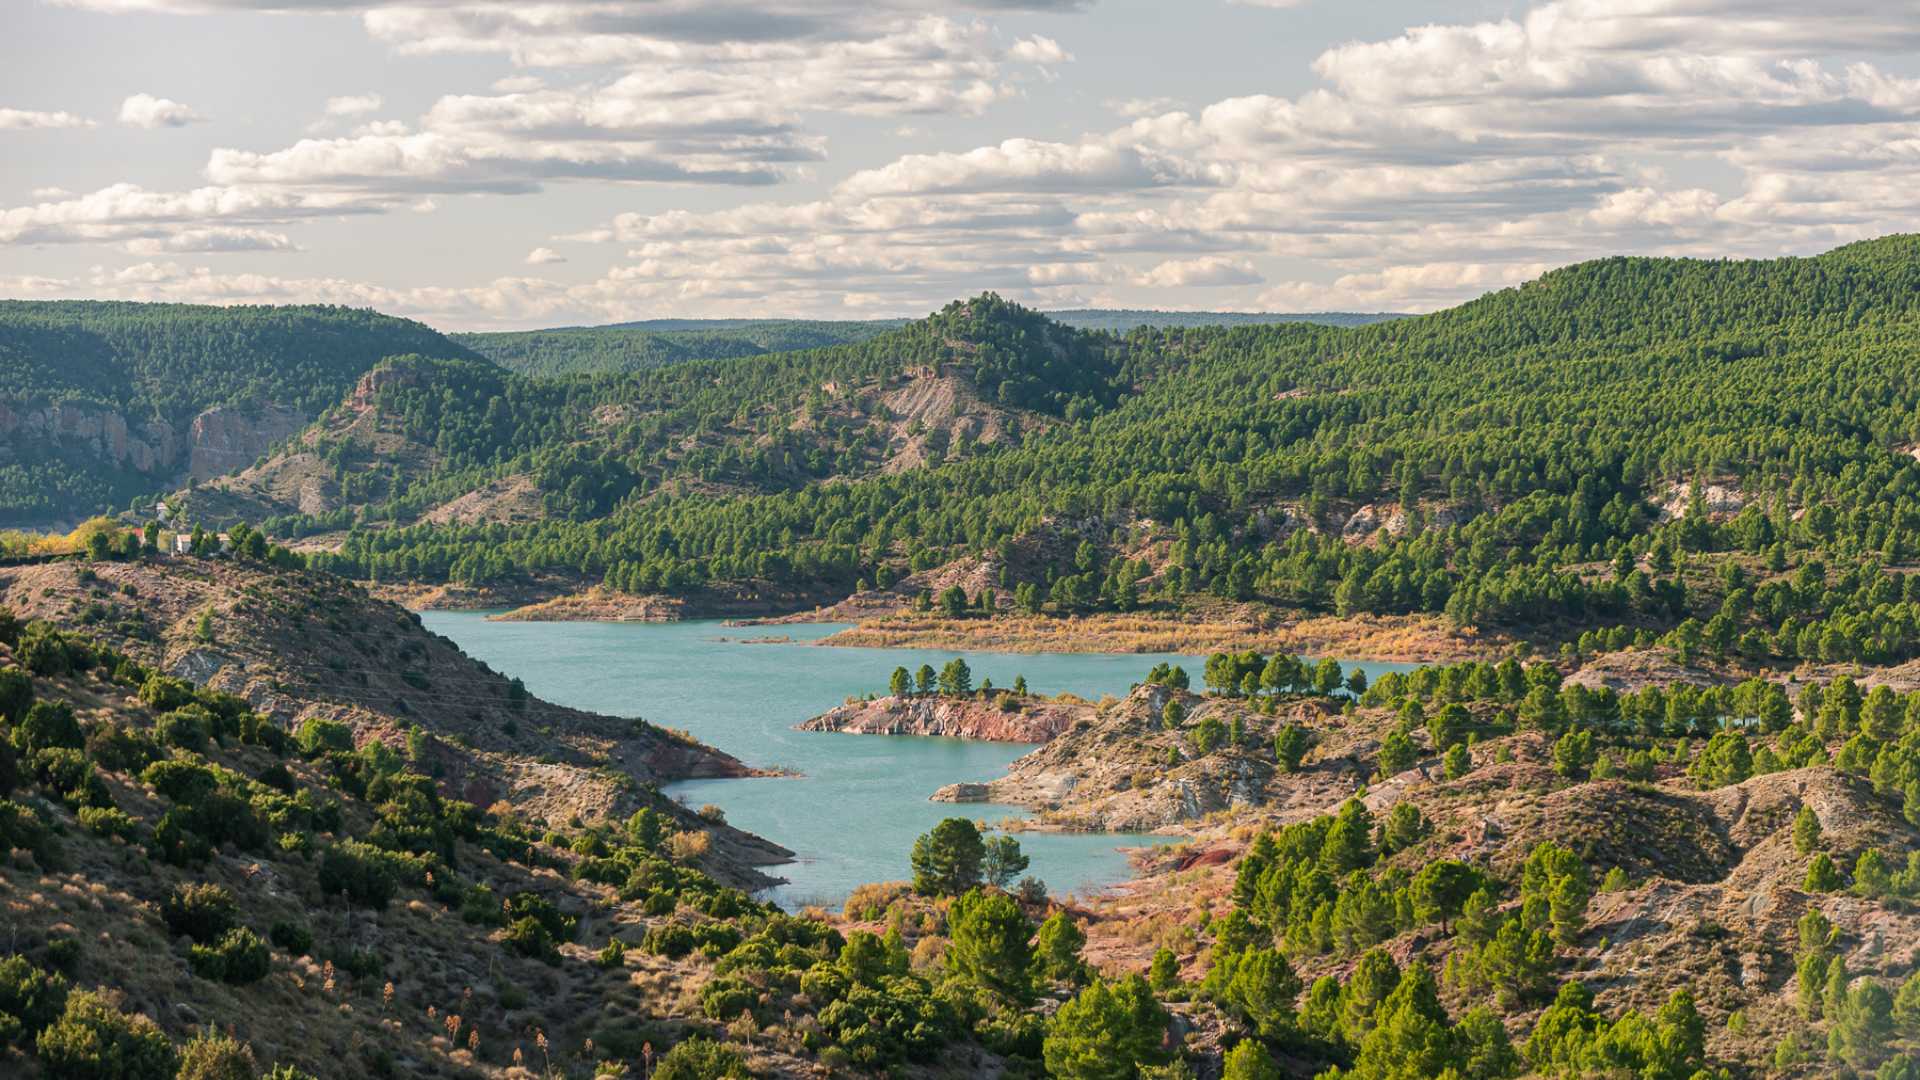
column 947, row 860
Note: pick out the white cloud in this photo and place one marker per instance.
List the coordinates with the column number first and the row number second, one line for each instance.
column 544, row 256
column 209, row 241
column 1422, row 166
column 147, row 111
column 27, row 119
column 125, row 212
column 353, row 104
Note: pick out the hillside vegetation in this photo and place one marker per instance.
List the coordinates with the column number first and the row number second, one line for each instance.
column 99, row 401
column 587, row 350
column 590, row 350
column 1717, row 455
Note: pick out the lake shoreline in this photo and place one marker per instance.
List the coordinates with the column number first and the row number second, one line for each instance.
column 851, row 816
column 1358, row 639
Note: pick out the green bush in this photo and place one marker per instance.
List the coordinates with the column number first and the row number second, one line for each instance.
column 528, row 937
column 48, row 724
column 670, row 940
column 164, row 693
column 318, row 736
column 702, row 1059
column 44, row 650
column 93, row 1040
column 240, row 957
column 119, row 748
column 292, row 937
column 66, row 772
column 213, row 1056
column 364, row 874
column 61, row 953
column 613, row 955
column 16, row 694
column 30, row 998
column 183, row 782
column 202, row 912
column 175, row 841
column 20, row 827
column 187, row 728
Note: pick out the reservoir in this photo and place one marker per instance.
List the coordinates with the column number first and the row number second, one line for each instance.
column 852, row 814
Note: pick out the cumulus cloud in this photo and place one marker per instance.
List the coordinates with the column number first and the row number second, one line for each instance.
column 543, row 256
column 147, row 111
column 1418, row 169
column 353, row 104
column 209, row 241
column 27, row 119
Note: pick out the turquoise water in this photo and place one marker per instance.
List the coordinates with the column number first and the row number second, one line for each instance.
column 853, row 813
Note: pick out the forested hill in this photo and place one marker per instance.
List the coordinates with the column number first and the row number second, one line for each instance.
column 585, row 350
column 637, row 346
column 174, row 360
column 1547, row 456
column 100, row 402
column 1120, row 320
column 483, row 444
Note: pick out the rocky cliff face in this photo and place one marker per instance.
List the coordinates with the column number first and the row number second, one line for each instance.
column 995, row 719
column 151, row 447
column 223, row 440
column 218, row 441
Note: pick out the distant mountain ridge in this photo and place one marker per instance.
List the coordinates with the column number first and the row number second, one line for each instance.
column 650, row 343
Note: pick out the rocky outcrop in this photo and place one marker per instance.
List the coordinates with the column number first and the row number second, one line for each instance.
column 1125, row 770
column 995, row 719
column 225, row 440
column 152, row 447
column 218, row 441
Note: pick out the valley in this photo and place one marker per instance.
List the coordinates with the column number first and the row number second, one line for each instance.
column 1332, row 691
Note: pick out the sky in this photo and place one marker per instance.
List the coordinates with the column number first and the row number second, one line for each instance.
column 491, row 165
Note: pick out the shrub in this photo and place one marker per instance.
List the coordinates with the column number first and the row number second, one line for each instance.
column 117, row 747
column 182, row 782
column 701, row 1059
column 20, row 827
column 202, row 912
column 187, row 728
column 724, row 999
column 48, row 724
column 670, row 940
column 108, row 822
column 613, row 956
column 213, row 1056
column 94, row 1040
column 557, row 925
column 16, row 694
column 361, row 872
column 67, row 773
column 318, row 736
column 529, row 937
column 44, row 650
column 176, row 843
column 30, row 998
column 292, row 937
column 239, row 958
column 61, row 953
column 164, row 693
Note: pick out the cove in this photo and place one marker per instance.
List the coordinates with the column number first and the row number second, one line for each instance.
column 853, row 813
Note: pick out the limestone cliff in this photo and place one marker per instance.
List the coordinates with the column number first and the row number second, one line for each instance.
column 219, row 440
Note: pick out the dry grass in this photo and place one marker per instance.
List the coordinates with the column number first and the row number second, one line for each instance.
column 1393, row 638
